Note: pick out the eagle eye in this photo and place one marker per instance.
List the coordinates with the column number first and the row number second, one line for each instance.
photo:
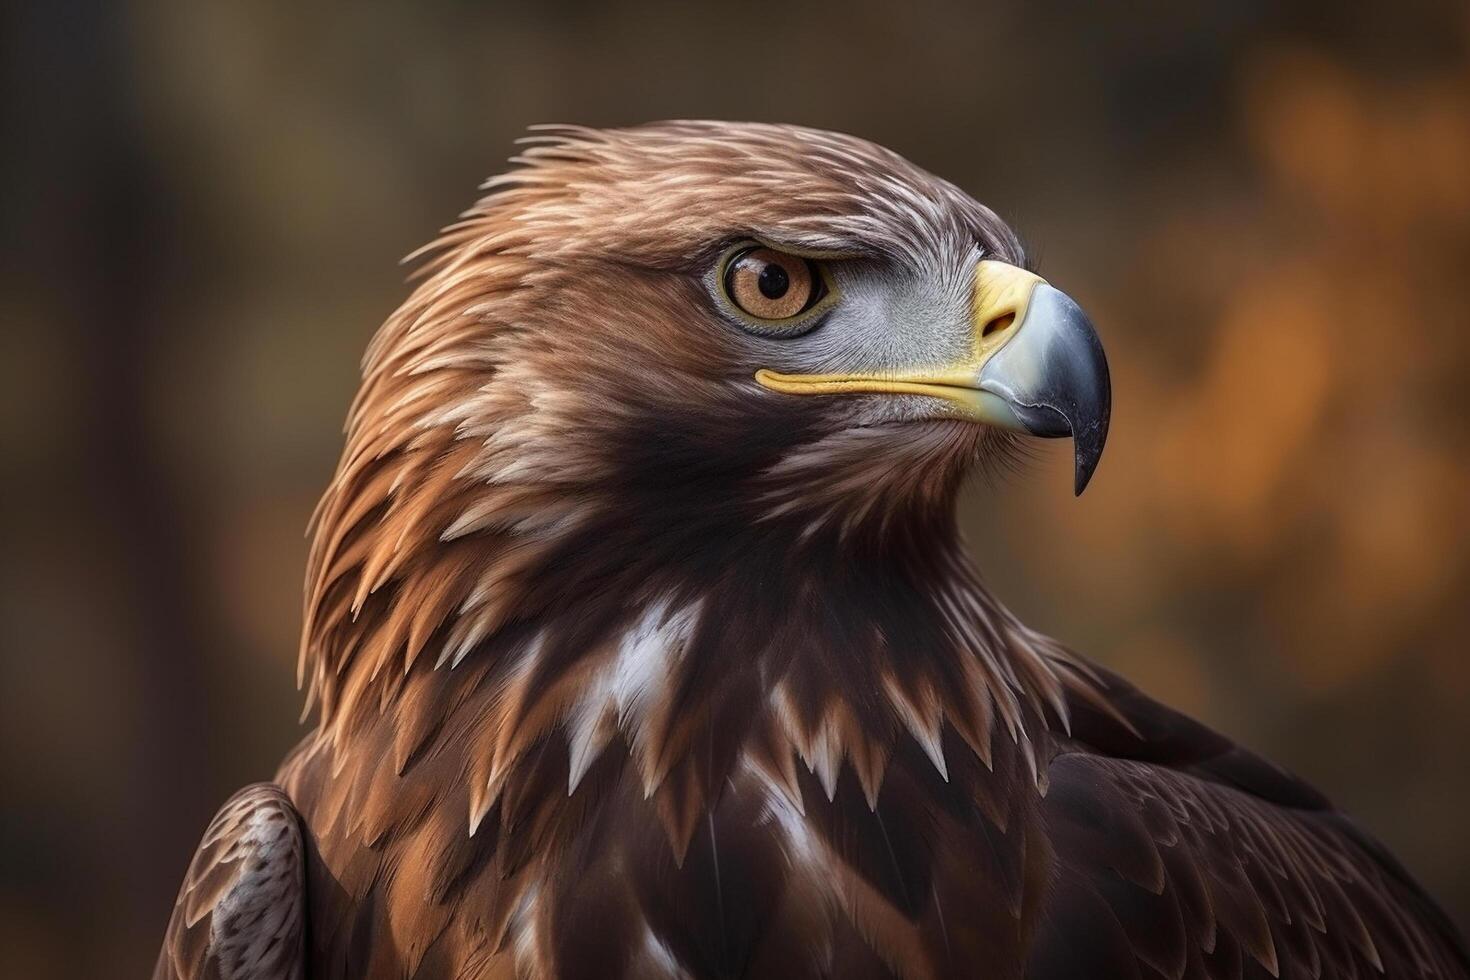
column 771, row 291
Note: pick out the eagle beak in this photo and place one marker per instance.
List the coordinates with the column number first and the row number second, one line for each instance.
column 1036, row 366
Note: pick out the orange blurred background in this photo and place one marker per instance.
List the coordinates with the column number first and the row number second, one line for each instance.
column 1266, row 208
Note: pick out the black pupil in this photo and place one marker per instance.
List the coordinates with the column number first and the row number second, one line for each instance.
column 773, row 281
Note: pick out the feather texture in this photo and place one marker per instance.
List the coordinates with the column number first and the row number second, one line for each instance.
column 240, row 913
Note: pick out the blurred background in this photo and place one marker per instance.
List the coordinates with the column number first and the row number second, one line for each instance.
column 1265, row 206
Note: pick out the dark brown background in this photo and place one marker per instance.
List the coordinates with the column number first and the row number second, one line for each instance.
column 1265, row 206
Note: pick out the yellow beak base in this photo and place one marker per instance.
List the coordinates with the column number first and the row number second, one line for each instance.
column 1035, row 365
column 1002, row 294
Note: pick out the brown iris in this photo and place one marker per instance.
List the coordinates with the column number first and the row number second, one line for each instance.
column 770, row 285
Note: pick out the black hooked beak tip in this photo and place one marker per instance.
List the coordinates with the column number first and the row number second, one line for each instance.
column 1052, row 376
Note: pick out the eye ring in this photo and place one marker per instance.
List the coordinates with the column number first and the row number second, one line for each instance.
column 773, row 292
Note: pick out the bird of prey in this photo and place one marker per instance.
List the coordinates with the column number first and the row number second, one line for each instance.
column 642, row 641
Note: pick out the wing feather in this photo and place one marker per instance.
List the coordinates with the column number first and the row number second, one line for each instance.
column 1179, row 854
column 239, row 913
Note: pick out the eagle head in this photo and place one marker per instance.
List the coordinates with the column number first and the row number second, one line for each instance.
column 651, row 355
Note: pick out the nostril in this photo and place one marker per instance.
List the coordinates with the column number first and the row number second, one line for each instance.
column 998, row 324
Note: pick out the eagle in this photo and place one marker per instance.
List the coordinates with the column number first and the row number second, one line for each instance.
column 641, row 640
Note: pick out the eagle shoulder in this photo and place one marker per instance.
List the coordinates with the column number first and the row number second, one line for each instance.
column 240, row 912
column 1180, row 854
